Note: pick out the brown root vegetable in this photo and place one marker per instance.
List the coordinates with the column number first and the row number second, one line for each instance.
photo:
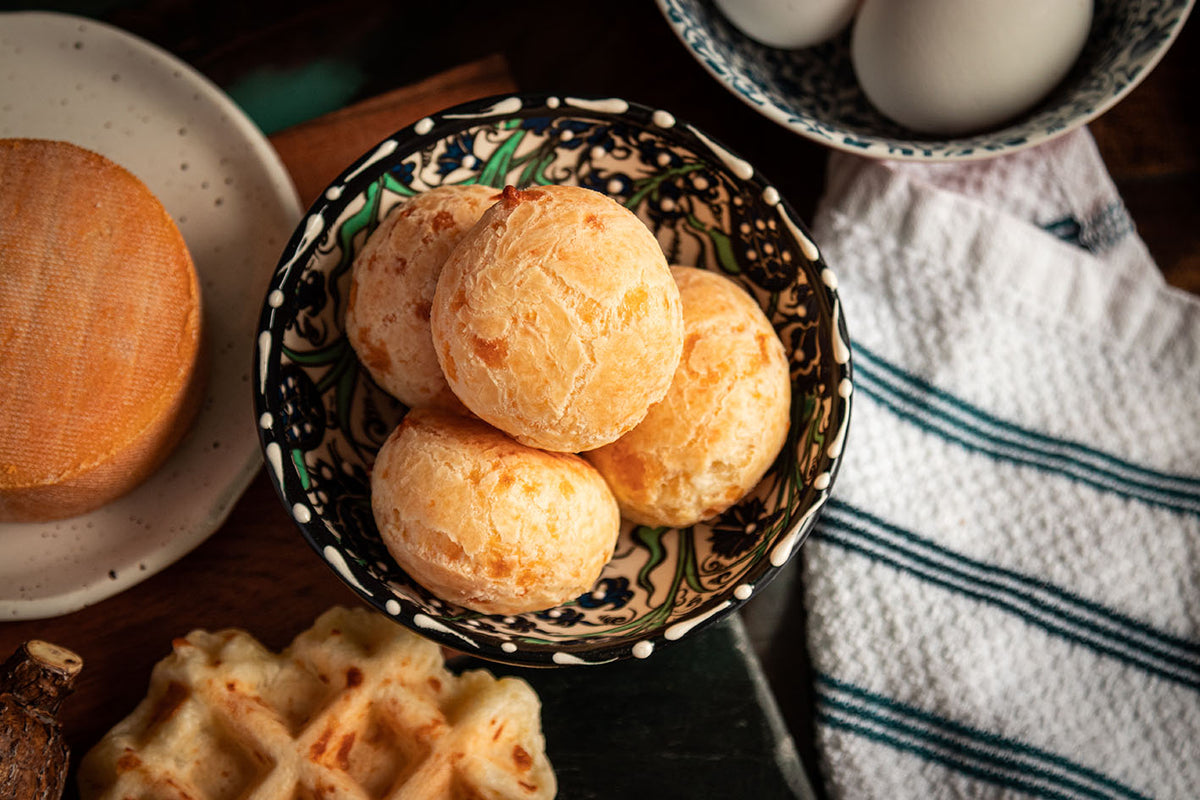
column 33, row 754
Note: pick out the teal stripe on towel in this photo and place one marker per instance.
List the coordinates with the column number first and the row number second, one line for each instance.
column 1037, row 602
column 931, row 755
column 979, row 753
column 936, row 411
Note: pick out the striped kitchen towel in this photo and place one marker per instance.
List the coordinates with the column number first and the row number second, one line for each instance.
column 1003, row 593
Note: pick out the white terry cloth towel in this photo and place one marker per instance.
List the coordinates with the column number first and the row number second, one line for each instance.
column 1003, row 593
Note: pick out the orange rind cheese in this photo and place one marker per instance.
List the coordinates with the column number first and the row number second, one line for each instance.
column 100, row 331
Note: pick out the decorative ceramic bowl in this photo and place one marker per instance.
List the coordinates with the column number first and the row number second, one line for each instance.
column 813, row 91
column 322, row 419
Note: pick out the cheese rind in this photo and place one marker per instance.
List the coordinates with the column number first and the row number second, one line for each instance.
column 100, row 331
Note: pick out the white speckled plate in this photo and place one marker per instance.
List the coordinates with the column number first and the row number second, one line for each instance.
column 64, row 77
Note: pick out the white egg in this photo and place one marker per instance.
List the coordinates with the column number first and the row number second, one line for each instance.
column 959, row 66
column 789, row 23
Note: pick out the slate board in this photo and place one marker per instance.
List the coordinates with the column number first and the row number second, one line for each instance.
column 695, row 720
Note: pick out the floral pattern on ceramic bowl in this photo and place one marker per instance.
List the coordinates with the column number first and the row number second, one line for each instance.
column 322, row 419
column 813, row 91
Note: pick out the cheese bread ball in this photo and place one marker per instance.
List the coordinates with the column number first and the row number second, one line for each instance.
column 725, row 418
column 387, row 314
column 556, row 318
column 101, row 346
column 485, row 522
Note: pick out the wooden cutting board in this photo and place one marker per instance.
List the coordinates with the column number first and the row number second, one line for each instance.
column 316, row 152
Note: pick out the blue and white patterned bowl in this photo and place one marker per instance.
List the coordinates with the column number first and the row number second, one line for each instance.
column 813, row 91
column 321, row 418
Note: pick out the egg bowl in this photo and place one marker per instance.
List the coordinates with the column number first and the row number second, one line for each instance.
column 814, row 93
column 321, row 419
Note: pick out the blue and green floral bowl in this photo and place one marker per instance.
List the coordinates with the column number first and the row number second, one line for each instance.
column 813, row 91
column 321, row 419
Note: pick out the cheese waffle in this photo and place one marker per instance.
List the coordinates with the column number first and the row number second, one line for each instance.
column 356, row 708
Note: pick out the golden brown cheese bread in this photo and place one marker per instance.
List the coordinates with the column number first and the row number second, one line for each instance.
column 391, row 291
column 100, row 331
column 556, row 318
column 355, row 707
column 486, row 522
column 710, row 440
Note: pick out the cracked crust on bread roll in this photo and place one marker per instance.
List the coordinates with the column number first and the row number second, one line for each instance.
column 100, row 331
column 705, row 445
column 484, row 521
column 391, row 291
column 556, row 318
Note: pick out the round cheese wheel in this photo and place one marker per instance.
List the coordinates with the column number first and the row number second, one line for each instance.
column 100, row 331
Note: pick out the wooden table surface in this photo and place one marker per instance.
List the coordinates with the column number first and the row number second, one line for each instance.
column 255, row 571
